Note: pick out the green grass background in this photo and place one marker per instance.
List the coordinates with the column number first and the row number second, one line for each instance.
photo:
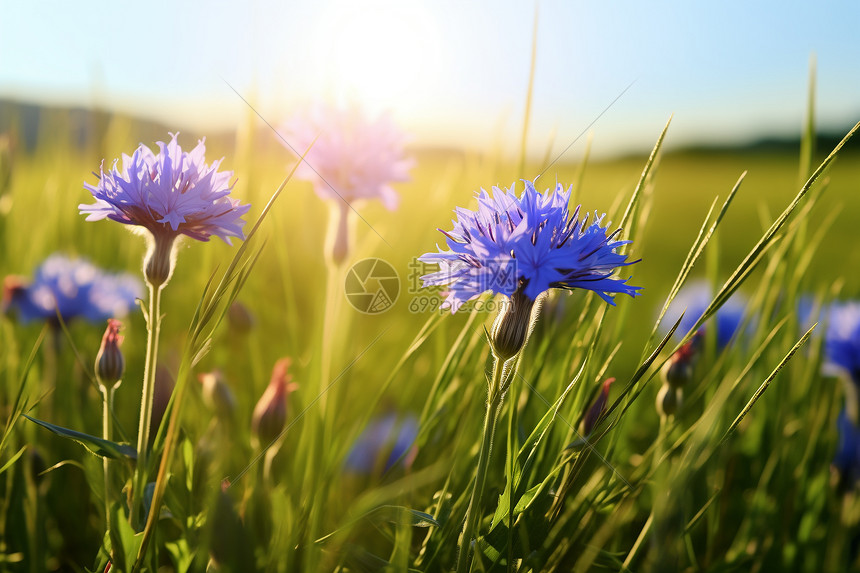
column 763, row 500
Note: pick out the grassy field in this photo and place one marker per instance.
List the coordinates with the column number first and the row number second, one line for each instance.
column 650, row 494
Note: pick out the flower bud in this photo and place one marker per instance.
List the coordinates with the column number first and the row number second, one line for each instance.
column 110, row 364
column 217, row 394
column 669, row 399
column 270, row 414
column 14, row 293
column 512, row 325
column 160, row 260
column 678, row 370
column 598, row 407
column 677, row 373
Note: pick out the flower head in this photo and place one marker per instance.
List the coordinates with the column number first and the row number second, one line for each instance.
column 169, row 194
column 389, row 435
column 693, row 300
column 75, row 287
column 530, row 244
column 352, row 157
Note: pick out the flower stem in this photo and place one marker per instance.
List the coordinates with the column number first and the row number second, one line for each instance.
column 494, row 400
column 153, row 327
column 106, row 431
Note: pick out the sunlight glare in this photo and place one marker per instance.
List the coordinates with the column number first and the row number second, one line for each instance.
column 382, row 53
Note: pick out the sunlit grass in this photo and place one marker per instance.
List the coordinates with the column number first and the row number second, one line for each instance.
column 707, row 490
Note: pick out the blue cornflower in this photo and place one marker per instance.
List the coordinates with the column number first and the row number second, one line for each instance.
column 847, row 458
column 842, row 341
column 74, row 286
column 526, row 245
column 169, row 194
column 693, row 300
column 385, row 435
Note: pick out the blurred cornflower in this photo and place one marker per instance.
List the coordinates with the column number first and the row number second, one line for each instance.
column 528, row 244
column 842, row 341
column 168, row 194
column 354, row 157
column 846, row 462
column 351, row 158
column 390, row 434
column 693, row 300
column 75, row 287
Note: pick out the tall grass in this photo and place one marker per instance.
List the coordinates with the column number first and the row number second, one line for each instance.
column 738, row 479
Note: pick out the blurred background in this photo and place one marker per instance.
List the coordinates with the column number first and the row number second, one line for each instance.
column 453, row 74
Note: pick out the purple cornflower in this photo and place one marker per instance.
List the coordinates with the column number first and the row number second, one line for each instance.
column 386, row 435
column 842, row 341
column 169, row 194
column 526, row 245
column 74, row 286
column 352, row 157
column 693, row 300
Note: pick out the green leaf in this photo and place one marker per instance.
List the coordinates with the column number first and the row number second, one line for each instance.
column 98, row 446
column 12, row 460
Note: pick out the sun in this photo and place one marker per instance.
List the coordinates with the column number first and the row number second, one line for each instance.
column 384, row 53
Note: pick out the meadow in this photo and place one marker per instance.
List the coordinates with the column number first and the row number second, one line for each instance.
column 737, row 477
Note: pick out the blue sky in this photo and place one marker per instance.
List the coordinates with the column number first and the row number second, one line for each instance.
column 450, row 72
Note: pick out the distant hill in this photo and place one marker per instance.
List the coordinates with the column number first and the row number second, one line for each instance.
column 83, row 126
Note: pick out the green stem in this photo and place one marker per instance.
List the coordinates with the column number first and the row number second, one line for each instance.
column 153, row 327
column 494, row 400
column 106, row 431
column 317, row 471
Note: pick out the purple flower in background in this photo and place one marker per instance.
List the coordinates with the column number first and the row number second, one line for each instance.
column 847, row 459
column 693, row 300
column 354, row 157
column 842, row 341
column 528, row 244
column 169, row 194
column 74, row 286
column 386, row 435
